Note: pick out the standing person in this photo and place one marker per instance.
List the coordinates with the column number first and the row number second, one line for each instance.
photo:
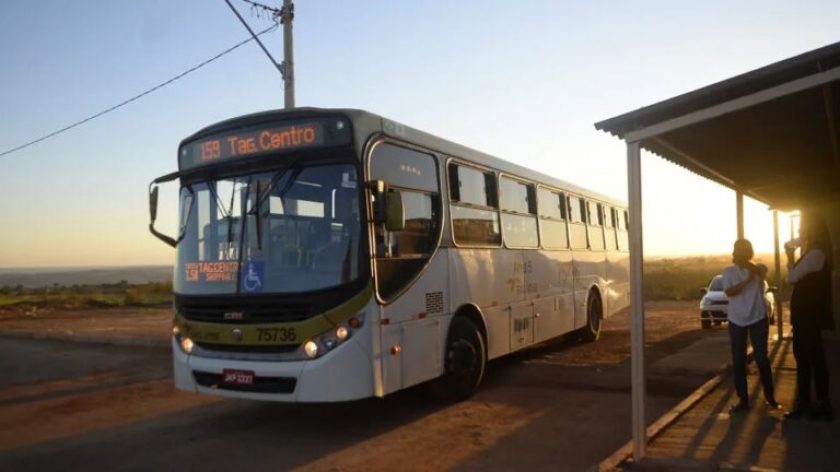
column 810, row 308
column 743, row 284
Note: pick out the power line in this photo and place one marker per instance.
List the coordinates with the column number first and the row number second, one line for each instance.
column 255, row 6
column 140, row 95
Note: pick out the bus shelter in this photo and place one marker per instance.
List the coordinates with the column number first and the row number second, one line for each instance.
column 770, row 134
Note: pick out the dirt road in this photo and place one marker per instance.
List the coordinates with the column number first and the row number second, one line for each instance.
column 559, row 407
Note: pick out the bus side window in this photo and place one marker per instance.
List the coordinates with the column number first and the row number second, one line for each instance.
column 553, row 214
column 474, row 206
column 596, row 222
column 519, row 208
column 576, row 210
column 622, row 221
column 610, row 229
column 577, row 223
column 593, row 213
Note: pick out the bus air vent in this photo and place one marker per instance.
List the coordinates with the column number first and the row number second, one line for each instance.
column 434, row 302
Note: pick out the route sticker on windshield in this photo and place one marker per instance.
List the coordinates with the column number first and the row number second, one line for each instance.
column 252, row 276
column 224, row 271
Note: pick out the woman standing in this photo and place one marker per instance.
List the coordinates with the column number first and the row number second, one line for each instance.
column 810, row 308
column 743, row 283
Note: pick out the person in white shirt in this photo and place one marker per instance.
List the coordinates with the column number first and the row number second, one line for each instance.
column 743, row 284
column 810, row 308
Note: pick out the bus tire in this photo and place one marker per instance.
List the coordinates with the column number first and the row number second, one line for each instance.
column 594, row 315
column 464, row 362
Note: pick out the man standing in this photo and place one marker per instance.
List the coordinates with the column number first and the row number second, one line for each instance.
column 743, row 283
column 810, row 308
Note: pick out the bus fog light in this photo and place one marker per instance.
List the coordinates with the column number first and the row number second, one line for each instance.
column 310, row 349
column 175, row 330
column 187, row 345
column 341, row 333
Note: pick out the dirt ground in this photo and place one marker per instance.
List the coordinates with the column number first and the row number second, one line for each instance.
column 119, row 322
column 663, row 320
column 562, row 406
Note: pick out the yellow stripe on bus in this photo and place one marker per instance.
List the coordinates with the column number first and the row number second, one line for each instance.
column 273, row 334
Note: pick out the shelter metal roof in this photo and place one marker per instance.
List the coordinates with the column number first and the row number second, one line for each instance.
column 771, row 133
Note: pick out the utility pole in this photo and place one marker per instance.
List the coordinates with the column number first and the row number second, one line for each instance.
column 284, row 16
column 287, row 15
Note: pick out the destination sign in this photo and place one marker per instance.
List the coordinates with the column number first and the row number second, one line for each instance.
column 270, row 139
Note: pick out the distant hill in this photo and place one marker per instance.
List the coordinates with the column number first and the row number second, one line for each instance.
column 37, row 277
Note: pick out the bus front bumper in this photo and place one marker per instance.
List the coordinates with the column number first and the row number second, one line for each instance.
column 342, row 374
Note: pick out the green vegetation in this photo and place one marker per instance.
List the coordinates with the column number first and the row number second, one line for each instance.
column 87, row 296
column 682, row 278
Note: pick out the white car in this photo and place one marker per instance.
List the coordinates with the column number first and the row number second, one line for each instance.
column 714, row 303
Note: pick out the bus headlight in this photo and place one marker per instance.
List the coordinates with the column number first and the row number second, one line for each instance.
column 341, row 333
column 333, row 338
column 310, row 349
column 187, row 344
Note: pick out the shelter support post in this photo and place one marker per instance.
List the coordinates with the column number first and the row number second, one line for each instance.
column 637, row 305
column 792, row 234
column 739, row 206
column 778, row 278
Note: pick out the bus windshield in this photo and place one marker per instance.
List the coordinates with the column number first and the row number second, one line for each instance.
column 297, row 229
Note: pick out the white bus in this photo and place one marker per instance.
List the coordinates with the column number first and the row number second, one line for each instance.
column 332, row 254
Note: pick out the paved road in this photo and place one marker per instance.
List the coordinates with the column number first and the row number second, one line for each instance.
column 70, row 406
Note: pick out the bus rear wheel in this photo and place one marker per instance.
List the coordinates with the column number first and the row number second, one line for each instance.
column 594, row 314
column 465, row 360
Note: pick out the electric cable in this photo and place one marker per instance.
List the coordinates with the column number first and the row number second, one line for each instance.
column 140, row 95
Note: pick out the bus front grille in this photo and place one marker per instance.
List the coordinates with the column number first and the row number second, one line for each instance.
column 280, row 349
column 219, row 313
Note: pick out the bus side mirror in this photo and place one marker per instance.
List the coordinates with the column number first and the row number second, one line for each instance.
column 377, row 189
column 388, row 206
column 153, row 203
column 394, row 211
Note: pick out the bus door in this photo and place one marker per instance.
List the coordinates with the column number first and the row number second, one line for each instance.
column 411, row 275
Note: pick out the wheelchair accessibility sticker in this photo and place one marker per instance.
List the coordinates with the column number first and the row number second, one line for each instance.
column 252, row 277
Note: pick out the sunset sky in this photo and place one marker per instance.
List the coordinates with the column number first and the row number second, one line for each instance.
column 524, row 81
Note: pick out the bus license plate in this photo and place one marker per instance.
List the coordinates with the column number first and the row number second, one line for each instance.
column 239, row 377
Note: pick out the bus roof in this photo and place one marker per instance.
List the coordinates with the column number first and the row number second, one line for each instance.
column 367, row 123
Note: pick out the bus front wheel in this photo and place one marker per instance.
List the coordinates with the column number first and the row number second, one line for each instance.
column 464, row 361
column 594, row 315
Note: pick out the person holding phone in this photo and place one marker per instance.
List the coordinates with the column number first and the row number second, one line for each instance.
column 743, row 284
column 810, row 308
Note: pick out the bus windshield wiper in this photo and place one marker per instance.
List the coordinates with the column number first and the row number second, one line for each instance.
column 227, row 212
column 261, row 191
column 279, row 174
